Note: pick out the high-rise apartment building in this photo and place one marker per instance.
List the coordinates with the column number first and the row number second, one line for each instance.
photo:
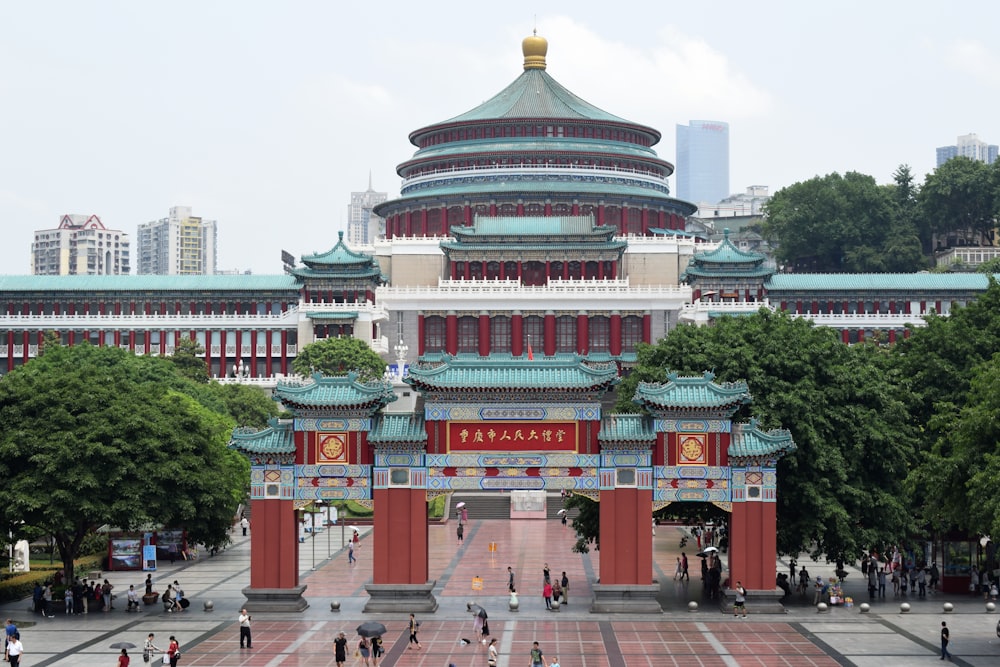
column 179, row 245
column 81, row 245
column 703, row 161
column 970, row 146
column 363, row 226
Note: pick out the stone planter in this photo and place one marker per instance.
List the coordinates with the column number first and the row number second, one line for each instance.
column 150, row 598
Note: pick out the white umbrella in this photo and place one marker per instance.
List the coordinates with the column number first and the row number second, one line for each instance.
column 459, row 506
column 561, row 512
column 707, row 550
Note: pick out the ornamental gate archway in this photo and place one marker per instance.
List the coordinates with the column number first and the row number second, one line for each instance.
column 508, row 424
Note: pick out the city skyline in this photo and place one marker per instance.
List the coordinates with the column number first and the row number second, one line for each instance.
column 266, row 123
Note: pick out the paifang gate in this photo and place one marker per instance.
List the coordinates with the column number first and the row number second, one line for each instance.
column 508, row 423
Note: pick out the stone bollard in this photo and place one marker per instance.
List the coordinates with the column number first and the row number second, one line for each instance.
column 209, row 606
column 555, row 605
column 991, row 607
column 821, row 608
column 904, row 608
column 864, row 608
column 948, row 607
column 335, row 605
column 513, row 603
column 692, row 606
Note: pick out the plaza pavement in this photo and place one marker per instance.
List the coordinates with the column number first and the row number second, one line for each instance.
column 802, row 636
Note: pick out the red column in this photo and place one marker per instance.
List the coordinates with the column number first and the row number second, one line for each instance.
column 582, row 332
column 420, row 335
column 845, row 336
column 274, row 549
column 647, row 328
column 399, row 537
column 454, row 270
column 451, row 333
column 550, row 334
column 754, row 543
column 423, row 222
column 616, row 333
column 223, row 366
column 503, row 270
column 516, row 334
column 548, row 271
column 484, row 334
column 284, row 353
column 627, row 537
column 892, row 335
column 600, row 270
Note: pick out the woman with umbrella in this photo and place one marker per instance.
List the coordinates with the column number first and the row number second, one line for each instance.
column 364, row 648
column 369, row 630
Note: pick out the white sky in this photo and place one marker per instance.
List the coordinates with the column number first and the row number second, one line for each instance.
column 266, row 115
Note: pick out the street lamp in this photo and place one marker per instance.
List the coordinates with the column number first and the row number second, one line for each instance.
column 312, row 537
column 326, row 524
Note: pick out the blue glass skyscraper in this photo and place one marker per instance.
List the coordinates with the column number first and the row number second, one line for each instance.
column 703, row 161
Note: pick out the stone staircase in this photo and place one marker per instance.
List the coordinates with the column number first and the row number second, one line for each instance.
column 496, row 505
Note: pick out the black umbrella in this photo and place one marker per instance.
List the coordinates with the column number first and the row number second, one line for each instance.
column 371, row 629
column 478, row 611
column 123, row 645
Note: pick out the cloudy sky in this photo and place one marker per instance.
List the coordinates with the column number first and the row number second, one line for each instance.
column 266, row 115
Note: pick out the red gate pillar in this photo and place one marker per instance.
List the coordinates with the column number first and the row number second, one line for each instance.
column 399, row 577
column 626, row 533
column 274, row 556
column 753, row 545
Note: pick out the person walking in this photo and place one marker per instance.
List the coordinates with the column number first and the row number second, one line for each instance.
column 554, row 662
column 510, row 580
column 492, row 655
column 173, row 651
column 414, row 624
column 378, row 650
column 149, row 647
column 11, row 631
column 741, row 600
column 945, row 638
column 684, row 566
column 537, row 658
column 565, row 588
column 365, row 649
column 14, row 649
column 149, row 584
column 546, row 575
column 350, row 554
column 244, row 619
column 461, row 534
column 547, row 594
column 245, row 525
column 340, row 649
column 123, row 659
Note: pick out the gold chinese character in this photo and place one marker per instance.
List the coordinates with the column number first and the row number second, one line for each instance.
column 463, row 434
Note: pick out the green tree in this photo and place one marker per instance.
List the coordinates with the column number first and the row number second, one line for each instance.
column 587, row 522
column 189, row 359
column 902, row 251
column 247, row 405
column 960, row 199
column 830, row 223
column 96, row 435
column 991, row 266
column 339, row 356
column 841, row 490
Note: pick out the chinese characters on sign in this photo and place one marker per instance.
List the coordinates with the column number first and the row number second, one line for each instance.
column 512, row 436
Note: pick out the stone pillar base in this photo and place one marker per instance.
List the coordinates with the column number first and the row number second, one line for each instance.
column 766, row 601
column 401, row 598
column 626, row 599
column 275, row 599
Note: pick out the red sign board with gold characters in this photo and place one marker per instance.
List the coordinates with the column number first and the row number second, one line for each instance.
column 331, row 448
column 512, row 436
column 691, row 449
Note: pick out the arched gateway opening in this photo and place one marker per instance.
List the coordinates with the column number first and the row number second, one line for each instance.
column 510, row 424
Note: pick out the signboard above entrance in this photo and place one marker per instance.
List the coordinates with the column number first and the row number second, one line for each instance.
column 500, row 436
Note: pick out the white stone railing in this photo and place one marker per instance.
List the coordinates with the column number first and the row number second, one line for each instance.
column 151, row 321
column 700, row 313
column 546, row 169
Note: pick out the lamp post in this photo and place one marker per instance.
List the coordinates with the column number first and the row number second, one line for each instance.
column 312, row 537
column 327, row 530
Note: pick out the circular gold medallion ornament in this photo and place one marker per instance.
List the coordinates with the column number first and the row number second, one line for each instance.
column 332, row 446
column 692, row 449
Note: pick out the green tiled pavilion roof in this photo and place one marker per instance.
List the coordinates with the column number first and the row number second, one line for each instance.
column 626, row 428
column 749, row 442
column 692, row 392
column 506, row 146
column 149, row 283
column 335, row 392
column 497, row 372
column 727, row 272
column 339, row 254
column 878, row 282
column 536, row 94
column 727, row 253
column 404, row 428
column 333, row 315
column 277, row 438
column 473, row 185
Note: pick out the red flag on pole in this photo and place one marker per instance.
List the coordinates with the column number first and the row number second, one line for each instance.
column 531, row 357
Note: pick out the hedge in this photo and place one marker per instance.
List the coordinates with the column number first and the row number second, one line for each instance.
column 22, row 585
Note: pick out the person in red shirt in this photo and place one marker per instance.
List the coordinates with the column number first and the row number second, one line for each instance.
column 123, row 659
column 174, row 651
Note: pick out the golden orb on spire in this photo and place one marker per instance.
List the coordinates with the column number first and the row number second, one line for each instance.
column 534, row 49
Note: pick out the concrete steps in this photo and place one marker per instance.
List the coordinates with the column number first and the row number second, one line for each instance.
column 496, row 505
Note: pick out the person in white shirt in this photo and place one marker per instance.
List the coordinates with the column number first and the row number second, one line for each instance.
column 14, row 650
column 245, row 629
column 133, row 599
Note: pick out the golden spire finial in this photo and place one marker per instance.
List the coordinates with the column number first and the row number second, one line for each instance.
column 534, row 49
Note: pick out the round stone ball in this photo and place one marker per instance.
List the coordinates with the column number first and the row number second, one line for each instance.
column 209, row 605
column 991, row 607
column 335, row 605
column 692, row 606
column 821, row 607
column 948, row 607
column 864, row 608
column 904, row 608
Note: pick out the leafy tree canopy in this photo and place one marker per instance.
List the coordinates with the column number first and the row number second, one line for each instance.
column 961, row 198
column 96, row 435
column 339, row 356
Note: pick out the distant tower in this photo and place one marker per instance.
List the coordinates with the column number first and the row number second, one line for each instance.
column 703, row 161
column 970, row 146
column 81, row 246
column 180, row 245
column 363, row 226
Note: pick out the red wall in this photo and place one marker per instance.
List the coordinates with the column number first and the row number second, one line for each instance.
column 626, row 536
column 274, row 549
column 753, row 545
column 399, row 538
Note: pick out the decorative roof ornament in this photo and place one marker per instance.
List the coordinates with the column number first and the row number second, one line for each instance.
column 534, row 49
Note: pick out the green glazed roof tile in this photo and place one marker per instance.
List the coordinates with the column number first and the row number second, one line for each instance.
column 626, row 428
column 277, row 438
column 692, row 392
column 337, row 392
column 878, row 282
column 334, row 315
column 727, row 253
column 149, row 283
column 405, row 428
column 748, row 441
column 340, row 254
column 469, row 371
